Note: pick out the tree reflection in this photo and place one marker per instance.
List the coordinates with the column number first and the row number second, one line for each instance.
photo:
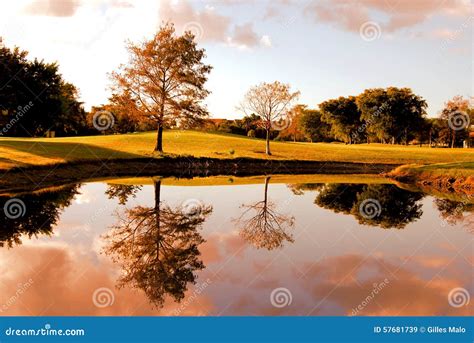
column 157, row 248
column 261, row 225
column 396, row 207
column 456, row 212
column 122, row 192
column 300, row 188
column 41, row 213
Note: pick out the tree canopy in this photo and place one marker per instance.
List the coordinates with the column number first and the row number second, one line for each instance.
column 36, row 99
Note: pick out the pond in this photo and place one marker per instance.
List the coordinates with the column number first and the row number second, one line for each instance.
column 218, row 246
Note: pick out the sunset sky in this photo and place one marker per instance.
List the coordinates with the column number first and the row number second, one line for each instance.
column 324, row 48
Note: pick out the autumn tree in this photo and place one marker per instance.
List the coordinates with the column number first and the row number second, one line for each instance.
column 455, row 115
column 166, row 77
column 293, row 131
column 271, row 102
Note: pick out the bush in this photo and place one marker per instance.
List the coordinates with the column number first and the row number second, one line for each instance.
column 251, row 133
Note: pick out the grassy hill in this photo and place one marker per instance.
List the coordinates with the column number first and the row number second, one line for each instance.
column 41, row 151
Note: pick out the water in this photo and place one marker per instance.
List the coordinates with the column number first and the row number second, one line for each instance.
column 237, row 246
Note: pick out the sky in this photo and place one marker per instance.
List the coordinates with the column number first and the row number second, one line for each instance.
column 323, row 48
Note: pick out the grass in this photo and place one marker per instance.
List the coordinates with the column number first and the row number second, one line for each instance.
column 42, row 151
column 432, row 171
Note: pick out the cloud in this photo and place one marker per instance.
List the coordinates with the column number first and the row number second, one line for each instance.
column 53, row 8
column 244, row 35
column 266, row 41
column 350, row 15
column 68, row 8
column 208, row 25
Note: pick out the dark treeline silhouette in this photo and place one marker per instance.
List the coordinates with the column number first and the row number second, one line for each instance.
column 36, row 214
column 35, row 100
column 379, row 205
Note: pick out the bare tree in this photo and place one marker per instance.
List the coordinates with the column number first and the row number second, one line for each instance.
column 266, row 228
column 164, row 79
column 271, row 102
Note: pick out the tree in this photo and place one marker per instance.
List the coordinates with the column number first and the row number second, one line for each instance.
column 271, row 102
column 293, row 130
column 262, row 226
column 394, row 114
column 344, row 117
column 313, row 127
column 34, row 97
column 166, row 77
column 456, row 116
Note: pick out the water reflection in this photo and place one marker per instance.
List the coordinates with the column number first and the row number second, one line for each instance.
column 157, row 247
column 396, row 207
column 142, row 239
column 41, row 213
column 457, row 212
column 262, row 225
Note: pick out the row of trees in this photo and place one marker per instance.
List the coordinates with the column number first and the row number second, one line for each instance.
column 163, row 85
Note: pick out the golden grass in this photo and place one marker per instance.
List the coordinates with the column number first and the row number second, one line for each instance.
column 41, row 151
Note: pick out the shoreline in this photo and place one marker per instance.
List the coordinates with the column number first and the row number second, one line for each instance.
column 36, row 177
column 41, row 176
column 443, row 182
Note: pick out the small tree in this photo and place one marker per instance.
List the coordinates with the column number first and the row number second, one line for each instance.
column 271, row 102
column 455, row 113
column 166, row 78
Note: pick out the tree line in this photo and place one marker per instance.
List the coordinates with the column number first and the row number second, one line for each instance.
column 162, row 85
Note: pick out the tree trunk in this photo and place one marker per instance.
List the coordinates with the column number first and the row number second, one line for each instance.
column 267, row 180
column 159, row 139
column 453, row 141
column 267, row 150
column 157, row 184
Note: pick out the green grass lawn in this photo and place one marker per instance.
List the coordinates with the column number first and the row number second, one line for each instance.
column 39, row 151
